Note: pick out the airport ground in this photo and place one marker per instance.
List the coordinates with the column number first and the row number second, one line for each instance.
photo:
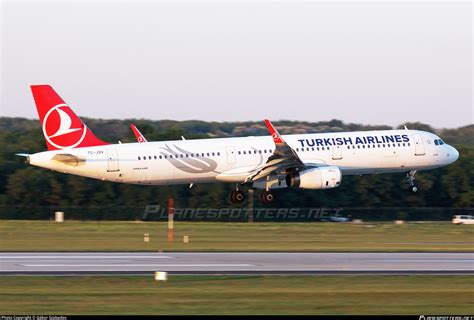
column 238, row 295
column 90, row 236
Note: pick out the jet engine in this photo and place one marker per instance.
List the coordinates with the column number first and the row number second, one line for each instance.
column 315, row 178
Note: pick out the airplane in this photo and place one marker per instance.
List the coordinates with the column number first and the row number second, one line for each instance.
column 305, row 161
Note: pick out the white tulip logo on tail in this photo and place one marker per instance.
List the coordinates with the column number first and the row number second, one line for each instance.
column 62, row 129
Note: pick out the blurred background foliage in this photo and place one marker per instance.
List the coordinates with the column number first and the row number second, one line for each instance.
column 26, row 186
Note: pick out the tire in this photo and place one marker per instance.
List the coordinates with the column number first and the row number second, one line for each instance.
column 414, row 189
column 267, row 197
column 237, row 196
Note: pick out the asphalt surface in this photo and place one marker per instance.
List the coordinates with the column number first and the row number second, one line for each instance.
column 235, row 263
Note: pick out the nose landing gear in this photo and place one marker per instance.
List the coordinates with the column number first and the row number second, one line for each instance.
column 411, row 181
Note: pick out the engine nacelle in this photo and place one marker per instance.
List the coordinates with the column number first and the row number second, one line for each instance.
column 315, row 178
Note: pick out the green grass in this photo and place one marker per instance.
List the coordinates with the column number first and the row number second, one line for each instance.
column 238, row 295
column 128, row 236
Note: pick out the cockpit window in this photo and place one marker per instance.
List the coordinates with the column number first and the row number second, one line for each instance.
column 441, row 142
column 436, row 142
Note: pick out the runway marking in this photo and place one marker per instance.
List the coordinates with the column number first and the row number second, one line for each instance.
column 87, row 257
column 138, row 265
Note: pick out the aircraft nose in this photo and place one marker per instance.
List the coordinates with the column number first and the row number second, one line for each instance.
column 453, row 154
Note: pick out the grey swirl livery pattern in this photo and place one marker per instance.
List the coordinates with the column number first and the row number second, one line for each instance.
column 188, row 164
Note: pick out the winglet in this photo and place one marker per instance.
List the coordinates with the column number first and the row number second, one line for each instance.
column 275, row 134
column 138, row 134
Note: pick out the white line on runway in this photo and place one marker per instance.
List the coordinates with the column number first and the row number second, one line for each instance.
column 138, row 265
column 86, row 257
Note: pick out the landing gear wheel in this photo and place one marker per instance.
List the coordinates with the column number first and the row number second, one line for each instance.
column 237, row 196
column 414, row 188
column 267, row 197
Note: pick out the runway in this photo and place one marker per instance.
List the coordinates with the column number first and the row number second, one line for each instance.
column 235, row 263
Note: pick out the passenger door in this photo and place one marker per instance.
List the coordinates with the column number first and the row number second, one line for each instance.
column 419, row 146
column 336, row 152
column 230, row 155
column 112, row 160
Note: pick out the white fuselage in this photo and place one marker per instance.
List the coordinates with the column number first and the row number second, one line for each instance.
column 231, row 159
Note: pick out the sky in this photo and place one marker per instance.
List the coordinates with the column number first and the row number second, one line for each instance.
column 374, row 62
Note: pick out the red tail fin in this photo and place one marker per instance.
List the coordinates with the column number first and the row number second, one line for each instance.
column 62, row 128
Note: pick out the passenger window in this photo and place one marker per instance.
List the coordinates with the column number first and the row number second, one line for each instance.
column 161, row 157
column 155, row 157
column 139, row 158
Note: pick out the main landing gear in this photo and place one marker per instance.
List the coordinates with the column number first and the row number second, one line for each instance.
column 267, row 197
column 238, row 196
column 411, row 181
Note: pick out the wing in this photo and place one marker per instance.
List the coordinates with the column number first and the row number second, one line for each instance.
column 282, row 159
